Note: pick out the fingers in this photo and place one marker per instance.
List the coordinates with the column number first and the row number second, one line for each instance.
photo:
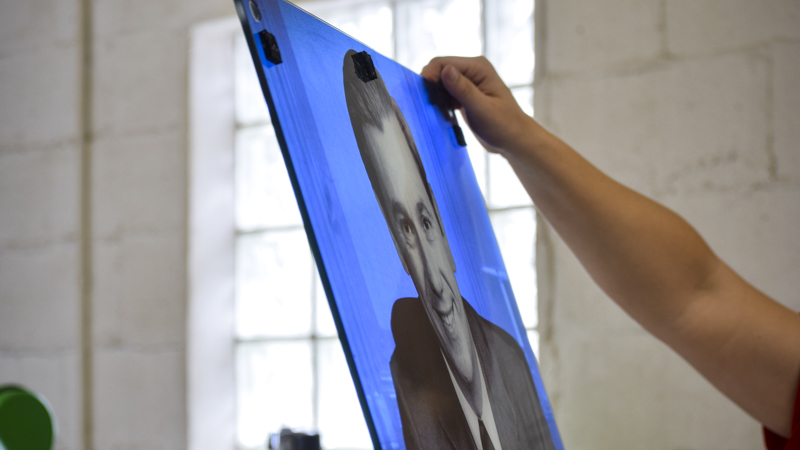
column 487, row 104
column 470, row 67
column 433, row 70
column 462, row 89
column 478, row 70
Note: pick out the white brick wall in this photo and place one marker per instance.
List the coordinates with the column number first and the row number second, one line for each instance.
column 40, row 207
column 579, row 39
column 701, row 27
column 138, row 213
column 786, row 109
column 696, row 104
column 139, row 210
column 140, row 399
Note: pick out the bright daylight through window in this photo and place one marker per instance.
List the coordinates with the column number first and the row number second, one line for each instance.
column 290, row 367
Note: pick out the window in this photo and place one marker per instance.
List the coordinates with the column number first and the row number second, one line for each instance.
column 282, row 316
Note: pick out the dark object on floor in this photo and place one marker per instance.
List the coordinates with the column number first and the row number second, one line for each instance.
column 289, row 440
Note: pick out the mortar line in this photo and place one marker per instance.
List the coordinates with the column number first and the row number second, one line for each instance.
column 772, row 159
column 87, row 361
column 662, row 29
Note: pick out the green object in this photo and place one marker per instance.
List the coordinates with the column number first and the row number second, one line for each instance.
column 25, row 422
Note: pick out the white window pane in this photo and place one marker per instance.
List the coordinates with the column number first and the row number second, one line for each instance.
column 505, row 189
column 524, row 97
column 370, row 23
column 516, row 235
column 509, row 39
column 250, row 104
column 325, row 325
column 273, row 284
column 264, row 195
column 341, row 422
column 533, row 338
column 428, row 28
column 274, row 383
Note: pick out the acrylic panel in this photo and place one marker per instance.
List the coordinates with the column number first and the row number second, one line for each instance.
column 399, row 230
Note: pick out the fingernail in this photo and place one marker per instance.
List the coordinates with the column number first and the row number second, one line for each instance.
column 450, row 73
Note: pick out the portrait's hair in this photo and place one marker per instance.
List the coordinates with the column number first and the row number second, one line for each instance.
column 369, row 104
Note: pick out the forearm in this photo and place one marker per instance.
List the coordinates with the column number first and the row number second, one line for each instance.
column 645, row 257
column 641, row 254
column 655, row 266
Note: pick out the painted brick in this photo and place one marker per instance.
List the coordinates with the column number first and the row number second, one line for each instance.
column 588, row 35
column 786, row 108
column 139, row 400
column 140, row 83
column 696, row 27
column 25, row 26
column 684, row 126
column 755, row 232
column 139, row 291
column 139, row 185
column 39, row 197
column 114, row 17
column 581, row 307
column 39, row 298
column 56, row 379
column 39, row 97
column 630, row 391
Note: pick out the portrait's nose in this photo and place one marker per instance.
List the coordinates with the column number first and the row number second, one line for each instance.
column 433, row 271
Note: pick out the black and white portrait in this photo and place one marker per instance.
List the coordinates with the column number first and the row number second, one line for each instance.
column 461, row 381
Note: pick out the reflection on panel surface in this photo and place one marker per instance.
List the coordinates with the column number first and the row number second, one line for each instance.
column 516, row 234
column 249, row 102
column 264, row 196
column 429, row 28
column 371, row 22
column 274, row 283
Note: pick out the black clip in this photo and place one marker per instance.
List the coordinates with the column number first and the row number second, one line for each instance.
column 364, row 67
column 442, row 99
column 271, row 50
column 459, row 135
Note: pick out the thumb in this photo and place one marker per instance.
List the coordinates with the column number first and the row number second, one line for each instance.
column 459, row 86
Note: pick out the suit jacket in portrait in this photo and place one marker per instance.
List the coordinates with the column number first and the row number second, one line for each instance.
column 431, row 414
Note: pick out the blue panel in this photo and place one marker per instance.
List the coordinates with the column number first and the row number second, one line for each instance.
column 359, row 263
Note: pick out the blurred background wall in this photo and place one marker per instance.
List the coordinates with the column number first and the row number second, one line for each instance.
column 695, row 103
column 93, row 161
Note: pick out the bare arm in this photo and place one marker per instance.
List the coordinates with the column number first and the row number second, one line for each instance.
column 644, row 256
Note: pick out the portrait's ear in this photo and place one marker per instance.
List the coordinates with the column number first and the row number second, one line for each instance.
column 398, row 246
column 400, row 251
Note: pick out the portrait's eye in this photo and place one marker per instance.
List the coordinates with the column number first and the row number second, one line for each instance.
column 407, row 229
column 426, row 223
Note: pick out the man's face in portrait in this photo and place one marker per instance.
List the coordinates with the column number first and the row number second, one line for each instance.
column 421, row 243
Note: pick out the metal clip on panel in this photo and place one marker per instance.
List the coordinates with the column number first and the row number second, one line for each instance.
column 364, row 67
column 270, row 45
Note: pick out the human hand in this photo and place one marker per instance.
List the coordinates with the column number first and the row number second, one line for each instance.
column 484, row 100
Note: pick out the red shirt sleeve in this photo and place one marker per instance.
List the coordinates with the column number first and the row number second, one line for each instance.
column 775, row 442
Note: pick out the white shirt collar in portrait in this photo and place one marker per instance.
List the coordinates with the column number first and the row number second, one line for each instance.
column 472, row 416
